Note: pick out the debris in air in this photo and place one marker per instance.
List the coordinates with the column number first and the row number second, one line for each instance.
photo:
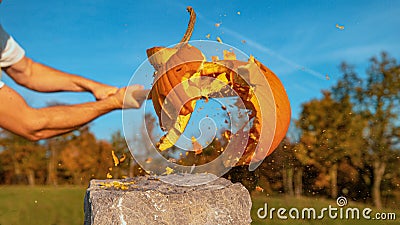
column 122, row 159
column 208, row 36
column 149, row 160
column 217, row 24
column 327, row 77
column 197, row 148
column 340, row 27
column 219, row 40
column 115, row 158
column 260, row 189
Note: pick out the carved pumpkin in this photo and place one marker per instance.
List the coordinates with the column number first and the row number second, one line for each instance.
column 184, row 62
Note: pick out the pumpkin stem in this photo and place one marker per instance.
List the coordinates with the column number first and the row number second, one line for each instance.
column 190, row 27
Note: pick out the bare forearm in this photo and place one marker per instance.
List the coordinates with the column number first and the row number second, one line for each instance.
column 35, row 124
column 52, row 80
column 47, row 133
column 46, row 79
column 61, row 119
column 42, row 78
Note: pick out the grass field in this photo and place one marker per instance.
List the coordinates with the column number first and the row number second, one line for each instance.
column 41, row 205
column 64, row 205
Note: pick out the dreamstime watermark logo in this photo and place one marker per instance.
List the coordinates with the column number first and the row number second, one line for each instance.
column 197, row 87
column 341, row 201
column 330, row 212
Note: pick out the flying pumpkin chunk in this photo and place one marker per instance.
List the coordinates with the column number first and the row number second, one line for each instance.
column 178, row 85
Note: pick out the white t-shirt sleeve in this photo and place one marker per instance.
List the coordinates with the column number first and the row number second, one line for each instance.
column 10, row 51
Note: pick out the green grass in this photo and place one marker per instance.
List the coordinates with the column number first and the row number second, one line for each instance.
column 41, row 205
column 45, row 205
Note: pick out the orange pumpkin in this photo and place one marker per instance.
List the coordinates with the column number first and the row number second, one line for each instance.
column 183, row 62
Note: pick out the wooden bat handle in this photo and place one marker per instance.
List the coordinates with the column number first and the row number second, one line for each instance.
column 141, row 95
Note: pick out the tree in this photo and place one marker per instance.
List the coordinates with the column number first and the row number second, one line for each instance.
column 292, row 169
column 85, row 158
column 54, row 146
column 376, row 102
column 23, row 161
column 380, row 107
column 328, row 133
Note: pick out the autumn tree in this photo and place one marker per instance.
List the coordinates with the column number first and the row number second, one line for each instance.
column 54, row 146
column 85, row 158
column 328, row 135
column 281, row 171
column 23, row 161
column 291, row 168
column 377, row 100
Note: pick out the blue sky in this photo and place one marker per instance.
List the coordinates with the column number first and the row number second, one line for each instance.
column 106, row 40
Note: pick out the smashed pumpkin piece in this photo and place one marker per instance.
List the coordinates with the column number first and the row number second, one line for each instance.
column 168, row 170
column 197, row 148
column 115, row 158
column 117, row 185
column 340, row 27
column 260, row 189
column 149, row 160
column 180, row 80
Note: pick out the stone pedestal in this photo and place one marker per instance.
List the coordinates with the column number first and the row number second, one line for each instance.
column 148, row 200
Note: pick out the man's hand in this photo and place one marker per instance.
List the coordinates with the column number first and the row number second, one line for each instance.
column 130, row 97
column 102, row 91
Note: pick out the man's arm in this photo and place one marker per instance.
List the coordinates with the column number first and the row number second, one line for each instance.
column 42, row 78
column 35, row 124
